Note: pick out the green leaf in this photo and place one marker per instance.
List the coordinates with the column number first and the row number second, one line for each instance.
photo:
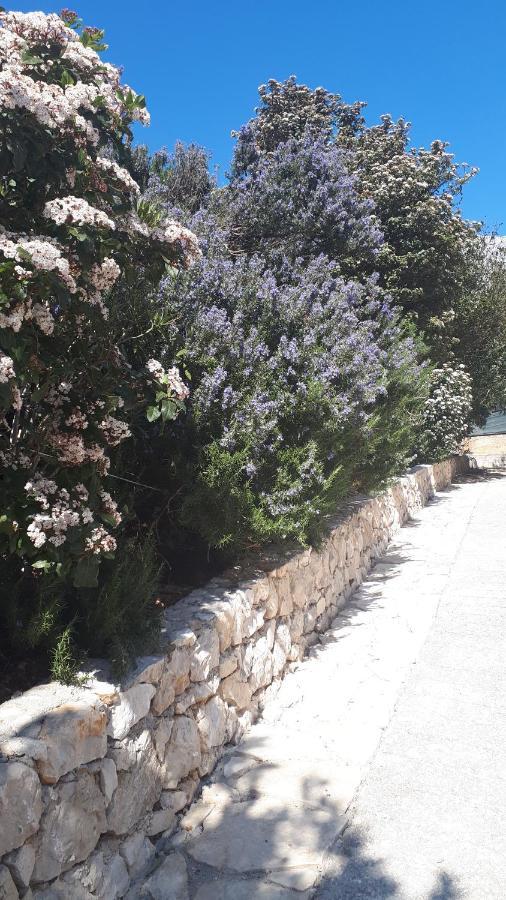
column 86, row 572
column 30, row 60
column 152, row 413
column 169, row 410
column 42, row 564
column 66, row 78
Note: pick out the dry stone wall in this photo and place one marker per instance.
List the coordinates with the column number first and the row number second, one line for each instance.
column 92, row 777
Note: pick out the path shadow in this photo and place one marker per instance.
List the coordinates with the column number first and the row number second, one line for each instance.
column 255, row 844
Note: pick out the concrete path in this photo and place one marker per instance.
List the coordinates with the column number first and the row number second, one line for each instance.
column 379, row 771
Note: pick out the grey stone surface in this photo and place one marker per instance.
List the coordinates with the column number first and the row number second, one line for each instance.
column 429, row 820
column 264, row 834
column 73, row 734
column 252, row 889
column 138, row 788
column 20, row 804
column 8, row 890
column 73, row 820
column 131, row 706
column 169, row 881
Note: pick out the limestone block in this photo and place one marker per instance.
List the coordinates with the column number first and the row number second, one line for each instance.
column 168, row 882
column 8, row 890
column 20, row 805
column 247, row 619
column 175, row 800
column 182, row 754
column 72, row 822
column 137, row 851
column 283, row 636
column 206, row 655
column 165, row 694
column 23, row 746
column 105, row 879
column 197, row 814
column 296, row 625
column 20, row 863
column 271, row 603
column 257, row 663
column 160, row 820
column 138, row 789
column 148, row 669
column 212, row 723
column 74, row 734
column 235, row 691
column 310, row 619
column 175, row 679
column 197, row 693
column 228, row 663
column 161, row 735
column 132, row 705
column 208, row 761
column 278, row 659
column 108, row 778
column 223, row 620
column 285, row 602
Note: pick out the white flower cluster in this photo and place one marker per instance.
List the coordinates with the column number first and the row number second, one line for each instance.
column 447, row 411
column 100, row 541
column 56, row 107
column 101, row 279
column 45, row 255
column 172, row 233
column 6, row 368
column 114, row 430
column 109, row 167
column 38, row 28
column 171, row 378
column 59, row 512
column 76, row 211
column 110, row 507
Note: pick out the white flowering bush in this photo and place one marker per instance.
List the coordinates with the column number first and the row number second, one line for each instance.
column 447, row 413
column 71, row 226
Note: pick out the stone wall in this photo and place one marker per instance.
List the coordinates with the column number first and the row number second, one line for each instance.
column 92, row 777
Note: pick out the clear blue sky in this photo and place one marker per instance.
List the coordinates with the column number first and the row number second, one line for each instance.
column 441, row 64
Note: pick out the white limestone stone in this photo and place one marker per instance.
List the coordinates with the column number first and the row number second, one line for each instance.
column 8, row 890
column 73, row 820
column 183, row 753
column 20, row 863
column 20, row 805
column 205, row 656
column 131, row 707
column 73, row 734
column 138, row 788
column 169, row 881
column 212, row 723
column 137, row 851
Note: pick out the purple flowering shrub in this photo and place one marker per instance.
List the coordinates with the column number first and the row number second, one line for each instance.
column 300, row 201
column 297, row 374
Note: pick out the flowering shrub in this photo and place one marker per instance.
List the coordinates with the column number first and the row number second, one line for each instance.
column 297, row 375
column 423, row 256
column 299, row 201
column 70, row 227
column 446, row 415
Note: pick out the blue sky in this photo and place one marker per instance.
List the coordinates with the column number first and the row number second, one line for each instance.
column 441, row 65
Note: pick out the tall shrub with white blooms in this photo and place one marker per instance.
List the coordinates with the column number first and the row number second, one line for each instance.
column 447, row 412
column 70, row 227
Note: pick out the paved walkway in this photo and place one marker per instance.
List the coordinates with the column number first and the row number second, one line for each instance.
column 379, row 771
